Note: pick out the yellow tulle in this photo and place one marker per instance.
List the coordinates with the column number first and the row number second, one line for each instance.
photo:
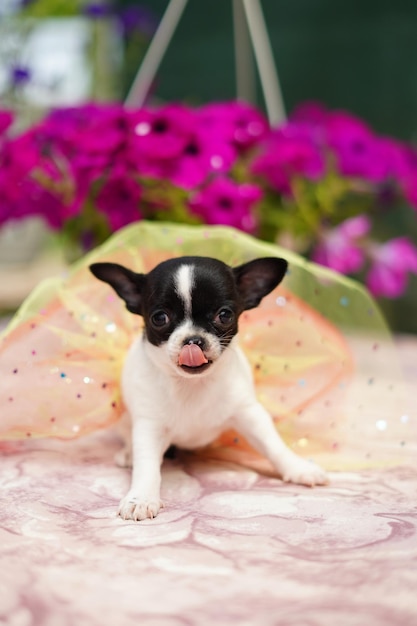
column 322, row 357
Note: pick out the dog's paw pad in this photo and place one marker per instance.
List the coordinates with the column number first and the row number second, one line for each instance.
column 302, row 472
column 138, row 509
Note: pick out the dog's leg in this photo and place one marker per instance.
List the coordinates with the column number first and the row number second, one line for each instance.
column 143, row 498
column 257, row 426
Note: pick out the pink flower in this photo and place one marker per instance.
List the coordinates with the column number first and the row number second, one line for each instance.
column 340, row 249
column 289, row 151
column 225, row 202
column 392, row 263
column 119, row 198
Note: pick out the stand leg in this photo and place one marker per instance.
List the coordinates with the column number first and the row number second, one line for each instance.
column 265, row 61
column 155, row 53
column 244, row 61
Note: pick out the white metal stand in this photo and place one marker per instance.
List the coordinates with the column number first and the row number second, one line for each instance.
column 249, row 32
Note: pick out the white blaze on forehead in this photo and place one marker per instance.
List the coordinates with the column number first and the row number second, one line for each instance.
column 184, row 283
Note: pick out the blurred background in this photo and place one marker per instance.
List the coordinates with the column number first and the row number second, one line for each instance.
column 348, row 54
column 351, row 55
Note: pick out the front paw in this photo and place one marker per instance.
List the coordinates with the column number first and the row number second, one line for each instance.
column 138, row 509
column 302, row 472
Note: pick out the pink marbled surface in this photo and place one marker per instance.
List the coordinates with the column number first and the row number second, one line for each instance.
column 231, row 547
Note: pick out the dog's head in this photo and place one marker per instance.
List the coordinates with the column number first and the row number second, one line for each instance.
column 191, row 305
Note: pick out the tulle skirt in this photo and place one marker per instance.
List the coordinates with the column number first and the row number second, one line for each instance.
column 323, row 360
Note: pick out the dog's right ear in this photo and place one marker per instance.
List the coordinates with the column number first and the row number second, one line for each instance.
column 127, row 284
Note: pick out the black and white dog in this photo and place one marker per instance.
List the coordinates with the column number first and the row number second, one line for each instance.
column 185, row 379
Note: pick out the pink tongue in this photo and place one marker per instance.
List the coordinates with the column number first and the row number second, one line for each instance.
column 192, row 355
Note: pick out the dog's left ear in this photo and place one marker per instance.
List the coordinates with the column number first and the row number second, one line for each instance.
column 254, row 280
column 127, row 284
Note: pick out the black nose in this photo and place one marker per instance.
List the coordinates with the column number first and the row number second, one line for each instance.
column 195, row 339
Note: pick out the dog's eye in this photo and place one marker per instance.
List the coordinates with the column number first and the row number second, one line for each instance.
column 159, row 319
column 225, row 317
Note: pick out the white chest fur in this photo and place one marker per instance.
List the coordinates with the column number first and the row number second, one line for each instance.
column 189, row 411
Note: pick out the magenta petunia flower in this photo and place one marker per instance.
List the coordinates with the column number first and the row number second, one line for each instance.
column 171, row 143
column 289, row 152
column 43, row 203
column 310, row 113
column 90, row 139
column 225, row 202
column 238, row 123
column 18, row 158
column 391, row 264
column 160, row 134
column 358, row 151
column 403, row 168
column 203, row 155
column 6, row 120
column 340, row 248
column 29, row 198
column 119, row 198
column 100, row 155
column 93, row 127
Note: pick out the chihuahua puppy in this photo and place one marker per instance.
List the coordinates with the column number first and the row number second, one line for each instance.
column 185, row 379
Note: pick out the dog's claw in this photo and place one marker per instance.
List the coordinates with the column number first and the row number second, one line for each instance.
column 302, row 472
column 138, row 510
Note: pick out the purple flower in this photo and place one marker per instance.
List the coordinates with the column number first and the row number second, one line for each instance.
column 392, row 262
column 225, row 202
column 20, row 75
column 289, row 152
column 340, row 249
column 140, row 18
column 96, row 9
column 119, row 198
